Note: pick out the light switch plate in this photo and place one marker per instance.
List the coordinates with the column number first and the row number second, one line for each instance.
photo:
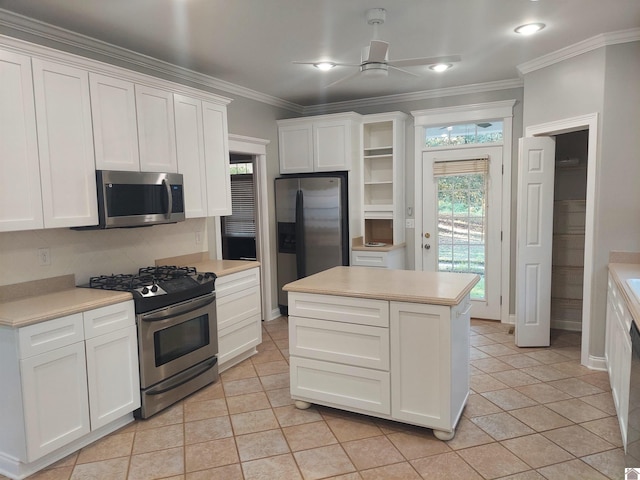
column 410, row 223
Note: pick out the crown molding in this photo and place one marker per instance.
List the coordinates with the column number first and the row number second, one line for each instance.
column 91, row 47
column 588, row 45
column 415, row 96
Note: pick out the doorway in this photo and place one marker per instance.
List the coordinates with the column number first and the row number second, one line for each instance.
column 588, row 123
column 256, row 148
column 239, row 229
column 569, row 212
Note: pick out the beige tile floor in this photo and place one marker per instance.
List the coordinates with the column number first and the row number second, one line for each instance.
column 532, row 414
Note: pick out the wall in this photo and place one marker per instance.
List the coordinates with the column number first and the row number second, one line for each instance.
column 602, row 81
column 94, row 252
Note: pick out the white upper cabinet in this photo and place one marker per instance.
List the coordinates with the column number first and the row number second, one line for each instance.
column 63, row 117
column 156, row 130
column 115, row 132
column 203, row 156
column 216, row 149
column 65, row 143
column 296, row 147
column 326, row 143
column 332, row 145
column 20, row 198
column 191, row 159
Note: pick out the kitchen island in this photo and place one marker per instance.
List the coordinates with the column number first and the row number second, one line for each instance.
column 391, row 343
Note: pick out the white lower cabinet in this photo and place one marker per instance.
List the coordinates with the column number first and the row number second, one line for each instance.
column 396, row 360
column 239, row 316
column 389, row 259
column 54, row 388
column 618, row 354
column 66, row 382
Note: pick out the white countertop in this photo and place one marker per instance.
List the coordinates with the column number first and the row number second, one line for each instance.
column 436, row 288
column 620, row 273
column 40, row 308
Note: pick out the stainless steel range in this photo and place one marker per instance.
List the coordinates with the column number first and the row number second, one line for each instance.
column 177, row 331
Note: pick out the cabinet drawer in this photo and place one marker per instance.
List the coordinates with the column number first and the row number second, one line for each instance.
column 234, row 308
column 46, row 336
column 239, row 338
column 362, row 311
column 108, row 319
column 347, row 343
column 340, row 385
column 369, row 259
column 237, row 281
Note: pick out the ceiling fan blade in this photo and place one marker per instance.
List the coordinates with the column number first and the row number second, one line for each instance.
column 402, row 70
column 377, row 51
column 343, row 79
column 413, row 62
column 336, row 64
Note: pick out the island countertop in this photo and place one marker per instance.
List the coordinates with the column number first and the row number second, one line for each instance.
column 435, row 288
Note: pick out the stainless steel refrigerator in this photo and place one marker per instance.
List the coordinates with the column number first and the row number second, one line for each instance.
column 313, row 226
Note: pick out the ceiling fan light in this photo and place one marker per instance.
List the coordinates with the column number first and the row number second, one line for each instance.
column 529, row 28
column 324, row 65
column 440, row 67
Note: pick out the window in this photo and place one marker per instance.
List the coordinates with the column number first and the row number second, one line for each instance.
column 464, row 134
column 462, row 213
column 241, row 222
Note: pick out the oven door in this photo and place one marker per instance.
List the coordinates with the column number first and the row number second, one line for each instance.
column 175, row 338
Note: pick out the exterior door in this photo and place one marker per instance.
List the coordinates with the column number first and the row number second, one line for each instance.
column 534, row 241
column 462, row 211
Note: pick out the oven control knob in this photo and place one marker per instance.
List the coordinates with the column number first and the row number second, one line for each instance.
column 200, row 277
column 154, row 288
column 145, row 290
column 208, row 275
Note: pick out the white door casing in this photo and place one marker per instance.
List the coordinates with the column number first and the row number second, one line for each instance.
column 535, row 240
column 489, row 307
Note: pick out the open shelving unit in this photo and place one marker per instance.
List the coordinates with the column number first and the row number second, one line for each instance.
column 383, row 177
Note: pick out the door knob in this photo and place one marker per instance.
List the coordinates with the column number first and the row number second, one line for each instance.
column 427, row 246
column 427, row 235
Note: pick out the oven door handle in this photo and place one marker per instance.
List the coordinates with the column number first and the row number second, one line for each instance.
column 208, row 365
column 176, row 310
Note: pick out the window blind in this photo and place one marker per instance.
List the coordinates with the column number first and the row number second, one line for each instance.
column 460, row 167
column 241, row 222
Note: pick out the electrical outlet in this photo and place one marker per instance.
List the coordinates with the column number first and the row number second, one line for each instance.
column 409, row 223
column 44, row 256
column 198, row 238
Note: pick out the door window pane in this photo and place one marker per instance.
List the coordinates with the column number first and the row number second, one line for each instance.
column 461, row 226
column 464, row 134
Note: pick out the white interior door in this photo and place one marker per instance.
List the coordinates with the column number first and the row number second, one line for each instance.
column 534, row 241
column 462, row 220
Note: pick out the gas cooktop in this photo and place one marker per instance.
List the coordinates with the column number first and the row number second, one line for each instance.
column 158, row 287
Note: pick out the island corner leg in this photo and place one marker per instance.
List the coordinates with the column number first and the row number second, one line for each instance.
column 302, row 405
column 443, row 435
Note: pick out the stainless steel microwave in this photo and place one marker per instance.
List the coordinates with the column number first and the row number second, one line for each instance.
column 137, row 199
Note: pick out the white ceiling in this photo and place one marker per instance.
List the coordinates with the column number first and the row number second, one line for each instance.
column 252, row 43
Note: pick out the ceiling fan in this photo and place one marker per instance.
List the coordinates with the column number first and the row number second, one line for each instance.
column 375, row 57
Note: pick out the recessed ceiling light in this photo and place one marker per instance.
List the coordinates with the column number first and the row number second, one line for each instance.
column 529, row 28
column 324, row 65
column 440, row 67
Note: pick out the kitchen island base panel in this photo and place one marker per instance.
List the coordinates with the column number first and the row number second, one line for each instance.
column 412, row 369
column 444, row 435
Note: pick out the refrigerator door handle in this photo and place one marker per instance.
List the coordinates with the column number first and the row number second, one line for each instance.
column 300, row 247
